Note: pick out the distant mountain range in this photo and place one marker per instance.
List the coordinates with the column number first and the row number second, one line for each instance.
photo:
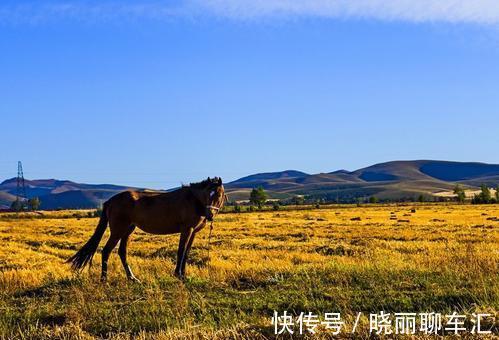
column 397, row 180
column 56, row 194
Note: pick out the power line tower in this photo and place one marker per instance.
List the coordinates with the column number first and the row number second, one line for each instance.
column 21, row 196
column 21, row 188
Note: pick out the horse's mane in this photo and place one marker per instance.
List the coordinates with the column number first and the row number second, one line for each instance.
column 202, row 184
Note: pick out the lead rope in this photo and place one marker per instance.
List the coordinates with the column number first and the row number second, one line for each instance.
column 209, row 247
column 209, row 240
column 209, row 236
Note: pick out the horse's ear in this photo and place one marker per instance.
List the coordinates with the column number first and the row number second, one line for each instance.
column 219, row 180
column 208, row 178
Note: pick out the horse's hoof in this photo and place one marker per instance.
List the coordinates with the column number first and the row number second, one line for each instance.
column 103, row 279
column 133, row 279
column 179, row 276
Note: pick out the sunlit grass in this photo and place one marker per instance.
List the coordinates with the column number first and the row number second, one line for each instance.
column 348, row 260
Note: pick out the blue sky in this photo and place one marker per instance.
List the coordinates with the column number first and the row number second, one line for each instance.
column 157, row 93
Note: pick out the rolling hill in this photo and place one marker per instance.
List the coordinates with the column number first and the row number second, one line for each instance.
column 57, row 194
column 397, row 180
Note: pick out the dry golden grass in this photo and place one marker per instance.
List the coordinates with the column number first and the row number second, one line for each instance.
column 440, row 258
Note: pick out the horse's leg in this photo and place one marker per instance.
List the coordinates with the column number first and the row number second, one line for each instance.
column 187, row 249
column 108, row 248
column 185, row 235
column 122, row 253
column 189, row 244
column 118, row 228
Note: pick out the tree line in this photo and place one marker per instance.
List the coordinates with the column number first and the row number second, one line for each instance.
column 31, row 204
column 259, row 197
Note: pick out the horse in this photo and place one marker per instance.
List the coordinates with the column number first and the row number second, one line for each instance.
column 185, row 211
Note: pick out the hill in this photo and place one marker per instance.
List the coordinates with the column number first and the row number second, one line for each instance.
column 57, row 194
column 395, row 180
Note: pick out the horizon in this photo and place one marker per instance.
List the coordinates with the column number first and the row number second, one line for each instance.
column 247, row 175
column 156, row 94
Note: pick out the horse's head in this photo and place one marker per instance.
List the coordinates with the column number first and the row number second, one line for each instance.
column 212, row 195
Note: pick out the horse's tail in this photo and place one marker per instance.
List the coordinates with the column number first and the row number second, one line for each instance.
column 86, row 253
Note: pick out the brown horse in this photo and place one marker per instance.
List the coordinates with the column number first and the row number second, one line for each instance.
column 185, row 211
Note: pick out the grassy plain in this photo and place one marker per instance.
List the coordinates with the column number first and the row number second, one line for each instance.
column 440, row 258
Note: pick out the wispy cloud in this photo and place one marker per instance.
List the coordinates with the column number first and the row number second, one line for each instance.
column 470, row 11
column 49, row 11
column 466, row 11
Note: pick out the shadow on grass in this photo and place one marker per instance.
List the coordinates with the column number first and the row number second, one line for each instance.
column 49, row 289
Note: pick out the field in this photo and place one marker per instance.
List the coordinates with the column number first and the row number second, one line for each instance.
column 439, row 258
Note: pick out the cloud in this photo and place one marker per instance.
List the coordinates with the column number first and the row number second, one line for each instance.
column 455, row 11
column 40, row 12
column 468, row 11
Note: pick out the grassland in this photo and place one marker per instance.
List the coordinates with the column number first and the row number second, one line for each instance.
column 440, row 258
